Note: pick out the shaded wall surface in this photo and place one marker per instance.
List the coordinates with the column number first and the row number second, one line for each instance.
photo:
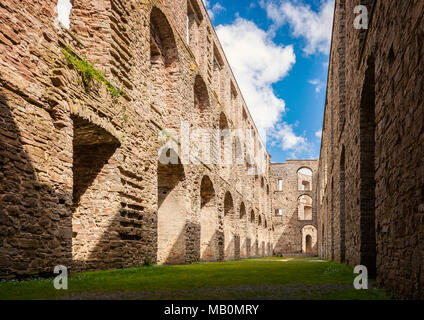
column 371, row 173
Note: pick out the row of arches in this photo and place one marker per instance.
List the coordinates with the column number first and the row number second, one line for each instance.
column 164, row 72
column 230, row 235
column 209, row 230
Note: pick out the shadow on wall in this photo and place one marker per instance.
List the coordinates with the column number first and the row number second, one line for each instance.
column 35, row 224
column 290, row 240
column 46, row 220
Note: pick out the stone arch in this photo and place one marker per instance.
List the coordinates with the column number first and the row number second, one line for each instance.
column 243, row 231
column 251, row 234
column 229, row 238
column 226, row 146
column 209, row 222
column 173, row 205
column 163, row 48
column 95, row 152
column 242, row 210
column 240, row 150
column 252, row 216
column 201, row 102
column 164, row 68
column 304, row 207
column 309, row 231
column 308, row 244
column 260, row 221
column 304, row 178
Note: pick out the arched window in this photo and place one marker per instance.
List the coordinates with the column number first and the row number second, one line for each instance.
column 304, row 207
column 163, row 68
column 226, row 146
column 201, row 103
column 242, row 210
column 304, row 178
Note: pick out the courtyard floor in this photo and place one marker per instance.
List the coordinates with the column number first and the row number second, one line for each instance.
column 265, row 278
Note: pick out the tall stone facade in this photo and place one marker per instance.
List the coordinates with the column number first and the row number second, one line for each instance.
column 370, row 185
column 294, row 207
column 82, row 184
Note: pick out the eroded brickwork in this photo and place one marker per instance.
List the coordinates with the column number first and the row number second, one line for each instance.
column 371, row 173
column 81, row 183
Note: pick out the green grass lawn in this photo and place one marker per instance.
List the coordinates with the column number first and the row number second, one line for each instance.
column 267, row 278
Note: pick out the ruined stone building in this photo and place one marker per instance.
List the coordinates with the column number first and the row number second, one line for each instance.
column 370, row 185
column 294, row 207
column 86, row 116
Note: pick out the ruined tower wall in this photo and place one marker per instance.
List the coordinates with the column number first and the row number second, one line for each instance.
column 370, row 172
column 288, row 237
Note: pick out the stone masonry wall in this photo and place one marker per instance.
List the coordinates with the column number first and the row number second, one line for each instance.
column 81, row 184
column 290, row 228
column 371, row 173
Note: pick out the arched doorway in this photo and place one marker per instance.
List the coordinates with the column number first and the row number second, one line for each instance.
column 209, row 234
column 309, row 239
column 172, row 208
column 243, row 231
column 229, row 240
column 308, row 244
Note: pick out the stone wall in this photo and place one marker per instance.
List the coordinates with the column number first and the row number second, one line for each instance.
column 371, row 173
column 81, row 183
column 291, row 226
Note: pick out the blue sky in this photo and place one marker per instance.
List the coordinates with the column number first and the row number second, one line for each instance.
column 279, row 51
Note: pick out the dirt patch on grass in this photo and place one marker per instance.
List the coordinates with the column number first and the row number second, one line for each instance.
column 263, row 292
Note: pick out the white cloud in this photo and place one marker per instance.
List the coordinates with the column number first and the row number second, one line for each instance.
column 214, row 10
column 318, row 84
column 63, row 12
column 314, row 27
column 284, row 136
column 318, row 134
column 257, row 63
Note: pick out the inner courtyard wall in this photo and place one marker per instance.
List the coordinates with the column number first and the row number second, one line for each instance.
column 371, row 173
column 289, row 233
column 90, row 196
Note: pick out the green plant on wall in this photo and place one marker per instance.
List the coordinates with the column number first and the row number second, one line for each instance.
column 88, row 72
